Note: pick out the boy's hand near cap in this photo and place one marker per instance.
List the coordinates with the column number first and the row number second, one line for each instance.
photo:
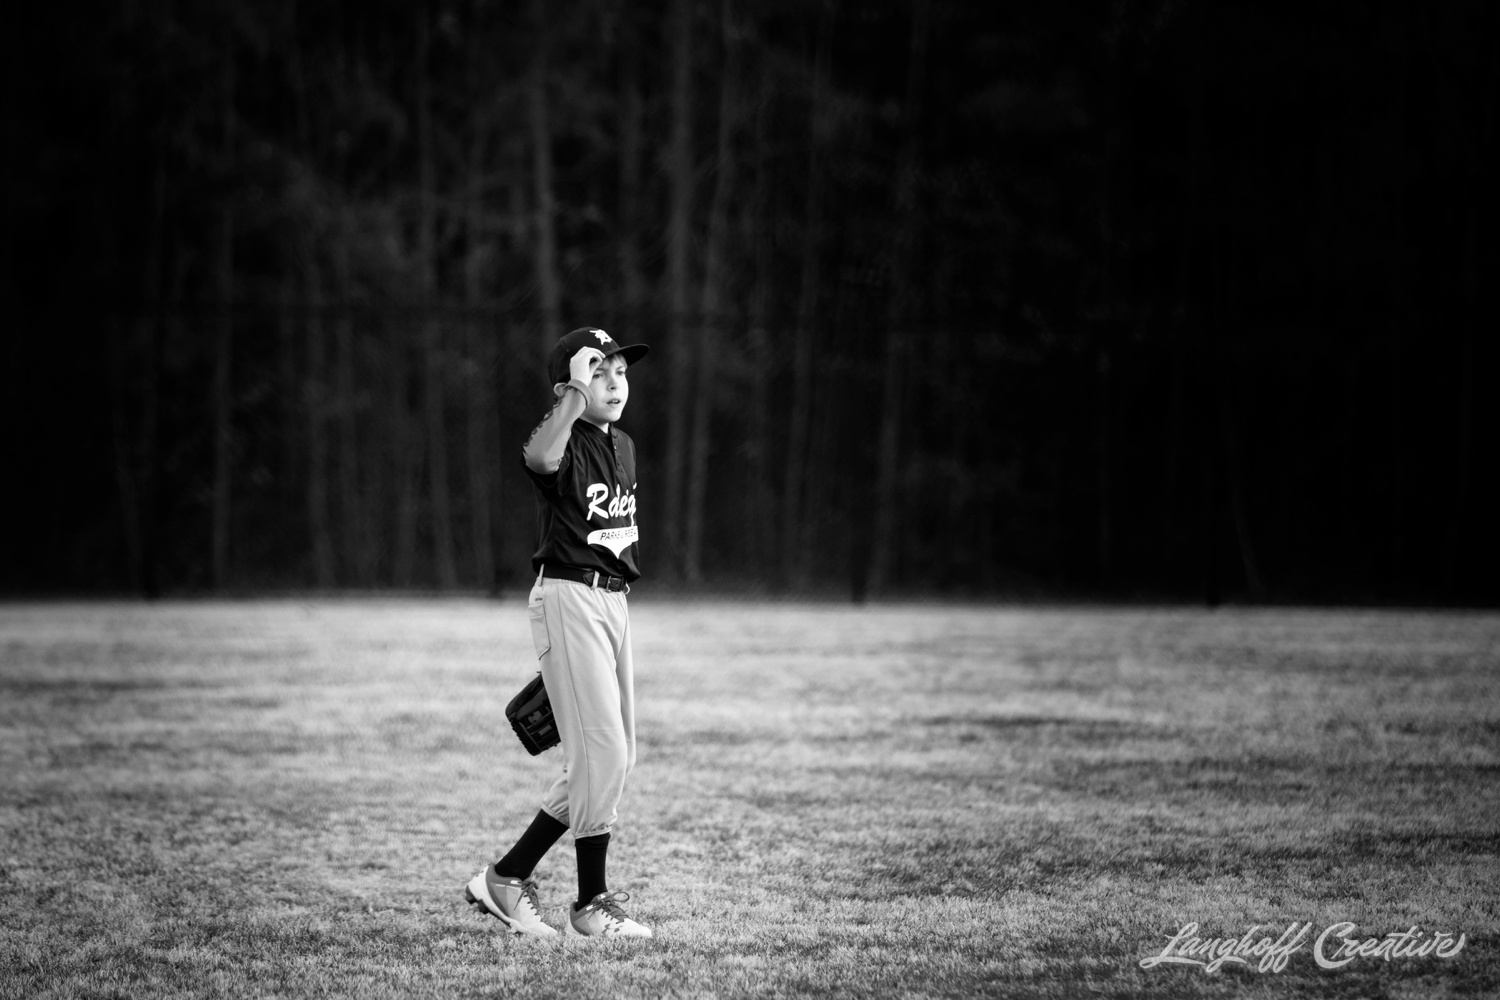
column 581, row 369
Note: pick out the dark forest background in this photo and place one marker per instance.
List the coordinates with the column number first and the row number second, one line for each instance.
column 1151, row 298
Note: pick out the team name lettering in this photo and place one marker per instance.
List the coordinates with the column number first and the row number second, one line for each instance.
column 617, row 540
column 620, row 505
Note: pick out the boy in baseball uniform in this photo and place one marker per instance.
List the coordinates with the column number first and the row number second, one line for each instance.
column 583, row 471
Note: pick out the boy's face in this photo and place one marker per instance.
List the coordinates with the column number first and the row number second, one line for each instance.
column 609, row 391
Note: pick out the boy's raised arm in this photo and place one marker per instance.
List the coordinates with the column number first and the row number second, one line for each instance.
column 543, row 451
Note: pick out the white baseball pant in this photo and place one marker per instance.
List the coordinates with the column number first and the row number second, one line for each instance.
column 582, row 636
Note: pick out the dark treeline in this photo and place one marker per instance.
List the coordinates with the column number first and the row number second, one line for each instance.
column 1142, row 298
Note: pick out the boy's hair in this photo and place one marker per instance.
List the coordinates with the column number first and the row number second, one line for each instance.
column 588, row 336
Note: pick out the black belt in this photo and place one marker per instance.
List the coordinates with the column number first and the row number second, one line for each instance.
column 587, row 577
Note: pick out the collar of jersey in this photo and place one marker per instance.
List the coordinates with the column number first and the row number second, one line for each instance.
column 591, row 427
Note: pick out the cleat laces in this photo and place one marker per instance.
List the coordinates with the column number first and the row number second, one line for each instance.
column 529, row 896
column 609, row 904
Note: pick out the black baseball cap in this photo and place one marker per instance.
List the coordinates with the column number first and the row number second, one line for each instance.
column 588, row 336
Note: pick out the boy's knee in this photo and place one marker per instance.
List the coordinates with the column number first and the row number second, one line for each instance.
column 610, row 758
column 618, row 764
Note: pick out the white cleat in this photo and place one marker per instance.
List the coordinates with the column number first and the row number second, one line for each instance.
column 513, row 900
column 602, row 917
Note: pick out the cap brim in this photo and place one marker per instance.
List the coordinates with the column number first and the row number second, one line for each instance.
column 633, row 353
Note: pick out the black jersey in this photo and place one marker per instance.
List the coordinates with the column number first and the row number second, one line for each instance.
column 585, row 511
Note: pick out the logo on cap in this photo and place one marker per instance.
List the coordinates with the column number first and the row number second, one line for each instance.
column 603, row 337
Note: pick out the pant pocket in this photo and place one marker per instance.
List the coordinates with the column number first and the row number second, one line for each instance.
column 538, row 614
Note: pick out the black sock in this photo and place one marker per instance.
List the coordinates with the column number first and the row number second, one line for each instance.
column 539, row 836
column 591, row 854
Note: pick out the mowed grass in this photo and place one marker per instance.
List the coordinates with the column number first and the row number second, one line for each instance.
column 286, row 798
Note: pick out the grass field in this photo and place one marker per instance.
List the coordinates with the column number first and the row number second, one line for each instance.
column 285, row 799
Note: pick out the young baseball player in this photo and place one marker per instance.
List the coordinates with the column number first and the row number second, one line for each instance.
column 583, row 472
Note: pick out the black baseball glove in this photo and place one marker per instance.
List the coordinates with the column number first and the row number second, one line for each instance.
column 530, row 715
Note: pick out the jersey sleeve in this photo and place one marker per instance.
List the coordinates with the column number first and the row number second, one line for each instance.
column 553, row 483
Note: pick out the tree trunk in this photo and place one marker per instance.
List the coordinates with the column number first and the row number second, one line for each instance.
column 793, row 544
column 761, row 523
column 884, row 540
column 358, row 547
column 404, row 461
column 300, row 397
column 632, row 145
column 1234, row 468
column 549, row 290
column 314, row 393
column 482, row 470
column 1211, row 481
column 289, row 435
column 1106, row 306
column 433, row 394
column 1202, row 349
column 680, row 182
column 823, row 524
column 222, row 411
column 1226, row 381
column 712, row 314
column 154, row 331
column 223, row 438
column 126, row 480
column 480, row 357
column 1459, row 516
column 1399, row 378
column 433, row 397
column 1104, row 513
column 150, row 466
